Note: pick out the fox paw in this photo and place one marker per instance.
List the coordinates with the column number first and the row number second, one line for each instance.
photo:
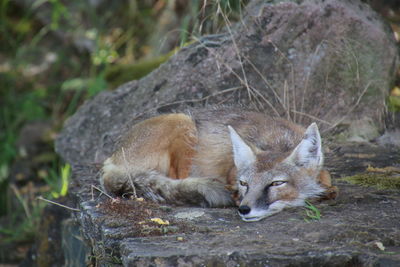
column 331, row 192
column 215, row 194
column 211, row 192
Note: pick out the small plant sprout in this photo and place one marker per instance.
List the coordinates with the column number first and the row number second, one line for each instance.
column 312, row 212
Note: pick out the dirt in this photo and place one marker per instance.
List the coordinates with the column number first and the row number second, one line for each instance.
column 143, row 218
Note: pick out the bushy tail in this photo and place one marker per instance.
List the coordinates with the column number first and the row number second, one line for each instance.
column 205, row 192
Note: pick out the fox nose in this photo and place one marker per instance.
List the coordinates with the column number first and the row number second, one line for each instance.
column 244, row 209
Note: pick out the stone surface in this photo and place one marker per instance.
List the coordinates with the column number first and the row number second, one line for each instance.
column 346, row 235
column 329, row 61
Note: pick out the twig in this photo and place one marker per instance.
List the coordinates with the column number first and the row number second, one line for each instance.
column 58, row 204
column 252, row 92
column 235, row 46
column 265, row 100
column 286, row 99
column 203, row 98
column 189, row 100
column 129, row 175
column 23, row 203
column 217, row 57
column 292, row 78
column 311, row 117
column 313, row 57
column 351, row 109
column 266, row 82
column 101, row 191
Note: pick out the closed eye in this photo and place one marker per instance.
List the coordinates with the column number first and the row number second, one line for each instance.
column 243, row 183
column 277, row 183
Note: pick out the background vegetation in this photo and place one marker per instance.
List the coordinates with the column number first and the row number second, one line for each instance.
column 56, row 54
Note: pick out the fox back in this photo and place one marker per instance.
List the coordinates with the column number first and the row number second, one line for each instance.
column 205, row 156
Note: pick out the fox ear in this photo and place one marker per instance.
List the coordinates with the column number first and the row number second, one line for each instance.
column 243, row 156
column 308, row 153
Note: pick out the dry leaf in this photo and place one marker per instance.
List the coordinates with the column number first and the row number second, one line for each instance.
column 380, row 246
column 383, row 170
column 160, row 221
column 395, row 91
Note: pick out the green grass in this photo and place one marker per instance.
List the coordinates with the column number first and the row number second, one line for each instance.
column 23, row 222
column 26, row 98
column 312, row 212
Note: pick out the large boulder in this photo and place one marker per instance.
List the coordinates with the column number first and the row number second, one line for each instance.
column 330, row 61
column 327, row 61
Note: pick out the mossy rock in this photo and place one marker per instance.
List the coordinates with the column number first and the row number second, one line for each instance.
column 377, row 180
column 122, row 73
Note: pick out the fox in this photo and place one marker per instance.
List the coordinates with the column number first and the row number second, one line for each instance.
column 220, row 157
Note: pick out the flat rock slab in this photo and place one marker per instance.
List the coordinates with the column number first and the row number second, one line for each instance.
column 327, row 60
column 346, row 234
column 360, row 228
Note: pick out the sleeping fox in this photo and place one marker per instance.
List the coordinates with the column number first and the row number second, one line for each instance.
column 203, row 157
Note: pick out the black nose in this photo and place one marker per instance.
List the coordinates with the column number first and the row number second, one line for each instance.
column 244, row 209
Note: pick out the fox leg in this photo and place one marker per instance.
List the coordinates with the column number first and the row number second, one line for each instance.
column 331, row 191
column 205, row 192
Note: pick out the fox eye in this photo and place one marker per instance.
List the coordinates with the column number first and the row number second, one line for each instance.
column 276, row 183
column 243, row 183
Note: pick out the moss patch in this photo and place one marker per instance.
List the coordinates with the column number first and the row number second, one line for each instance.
column 378, row 180
column 394, row 103
column 119, row 74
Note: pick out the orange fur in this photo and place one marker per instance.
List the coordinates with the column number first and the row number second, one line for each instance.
column 181, row 153
column 164, row 143
column 325, row 180
column 197, row 150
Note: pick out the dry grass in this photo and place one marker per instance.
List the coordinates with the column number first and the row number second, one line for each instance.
column 288, row 101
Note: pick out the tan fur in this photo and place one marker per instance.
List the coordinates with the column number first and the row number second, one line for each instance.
column 164, row 143
column 182, row 158
column 331, row 192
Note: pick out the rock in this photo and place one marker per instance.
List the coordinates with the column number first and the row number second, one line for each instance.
column 189, row 215
column 390, row 138
column 345, row 235
column 330, row 61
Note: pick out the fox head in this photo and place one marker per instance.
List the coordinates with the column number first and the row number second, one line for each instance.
column 269, row 182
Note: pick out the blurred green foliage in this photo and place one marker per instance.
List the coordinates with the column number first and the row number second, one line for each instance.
column 56, row 54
